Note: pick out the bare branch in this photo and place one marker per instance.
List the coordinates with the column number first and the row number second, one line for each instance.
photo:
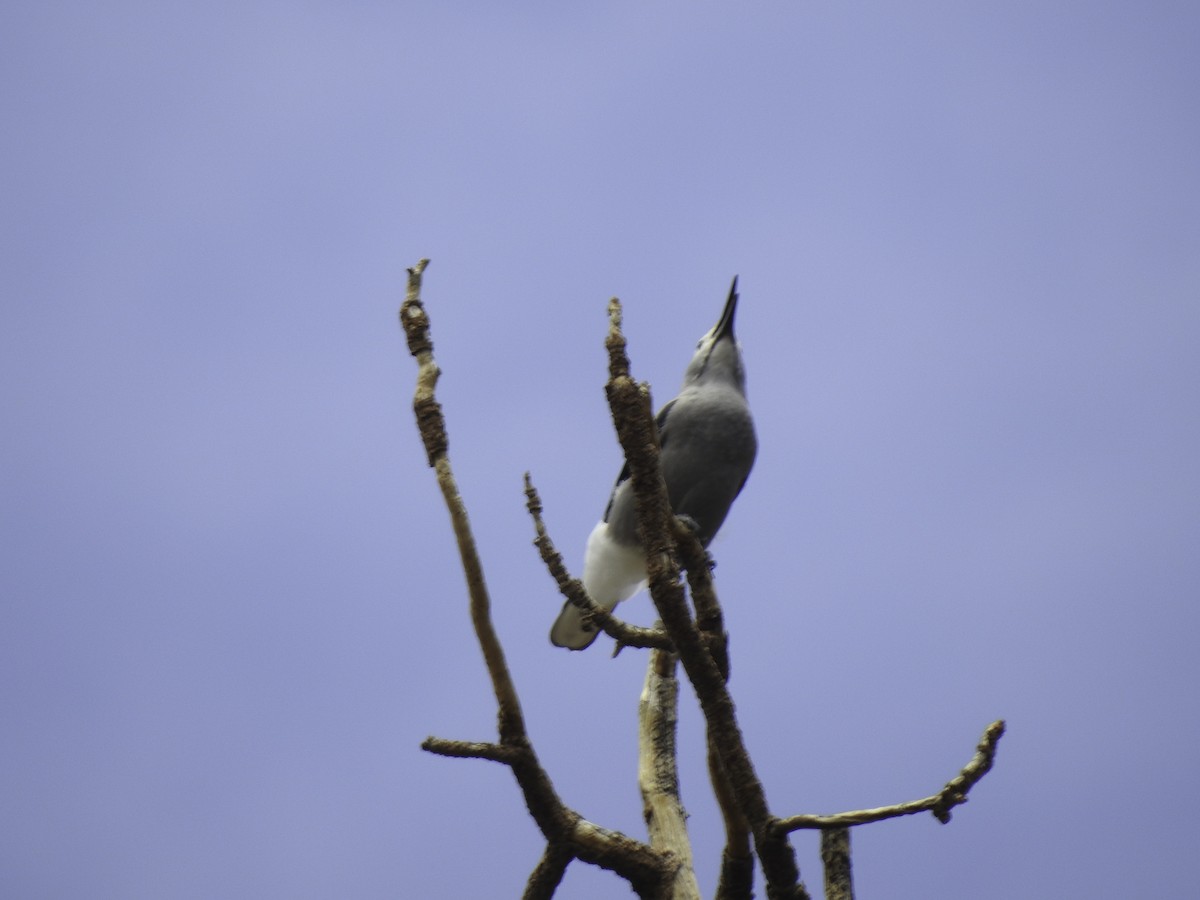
column 646, row 869
column 710, row 620
column 737, row 858
column 940, row 804
column 955, row 792
column 547, row 874
column 658, row 775
column 625, row 634
column 432, row 425
column 470, row 749
column 835, row 854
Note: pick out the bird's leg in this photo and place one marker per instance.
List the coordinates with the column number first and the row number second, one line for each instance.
column 694, row 527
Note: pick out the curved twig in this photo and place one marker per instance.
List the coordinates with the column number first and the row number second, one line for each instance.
column 625, row 634
column 940, row 804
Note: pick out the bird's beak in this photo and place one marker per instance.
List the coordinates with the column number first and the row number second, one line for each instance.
column 725, row 324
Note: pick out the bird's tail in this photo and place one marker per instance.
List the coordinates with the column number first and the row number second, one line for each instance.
column 612, row 572
column 569, row 630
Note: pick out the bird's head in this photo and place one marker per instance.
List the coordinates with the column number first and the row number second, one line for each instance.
column 718, row 356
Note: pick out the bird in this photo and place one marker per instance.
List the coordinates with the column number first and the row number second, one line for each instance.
column 708, row 444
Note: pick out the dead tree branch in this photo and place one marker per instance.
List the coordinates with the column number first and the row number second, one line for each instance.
column 737, row 858
column 548, row 873
column 835, row 854
column 625, row 634
column 736, row 881
column 566, row 831
column 658, row 774
column 470, row 750
column 940, row 804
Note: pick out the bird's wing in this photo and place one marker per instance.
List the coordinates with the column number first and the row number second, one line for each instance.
column 660, row 422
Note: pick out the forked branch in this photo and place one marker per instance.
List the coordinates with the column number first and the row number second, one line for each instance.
column 568, row 834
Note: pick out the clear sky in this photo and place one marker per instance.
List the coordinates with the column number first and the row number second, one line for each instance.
column 968, row 237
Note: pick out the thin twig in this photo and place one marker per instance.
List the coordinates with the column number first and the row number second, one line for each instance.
column 470, row 750
column 710, row 620
column 940, row 804
column 547, row 874
column 625, row 634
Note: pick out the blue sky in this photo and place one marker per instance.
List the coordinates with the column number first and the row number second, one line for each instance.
column 969, row 247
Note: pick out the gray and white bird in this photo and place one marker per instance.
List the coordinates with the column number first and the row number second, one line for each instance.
column 708, row 446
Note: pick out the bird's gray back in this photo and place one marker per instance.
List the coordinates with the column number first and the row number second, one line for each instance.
column 708, row 448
